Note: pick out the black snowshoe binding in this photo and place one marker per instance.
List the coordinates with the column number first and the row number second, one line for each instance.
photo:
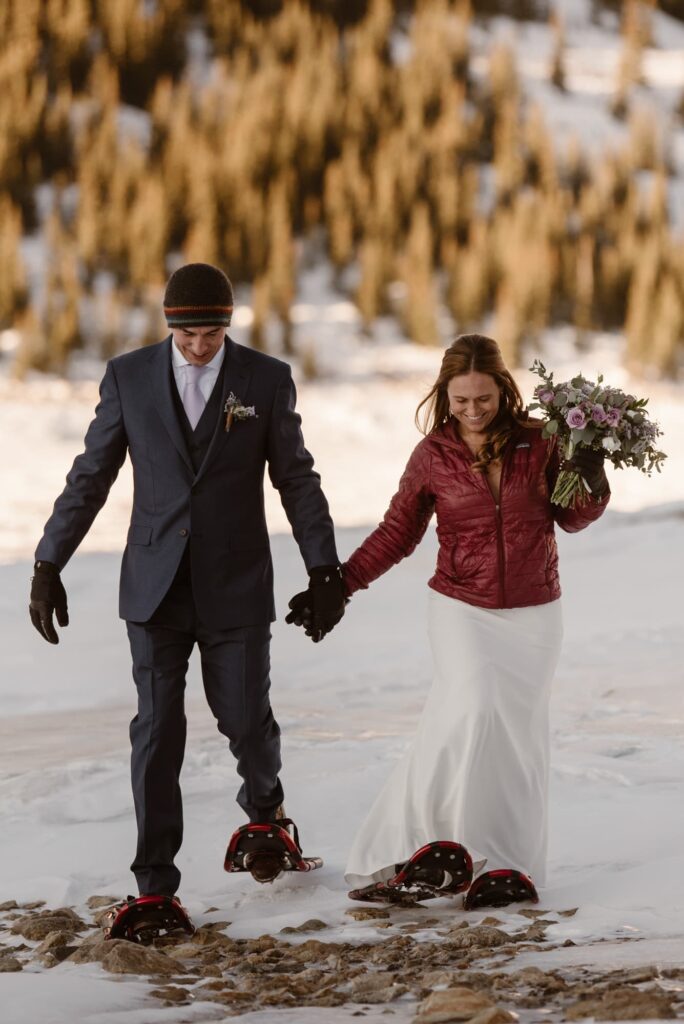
column 267, row 850
column 146, row 918
column 499, row 888
column 441, row 868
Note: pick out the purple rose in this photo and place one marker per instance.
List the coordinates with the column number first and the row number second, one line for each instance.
column 613, row 417
column 576, row 418
column 598, row 414
column 546, row 395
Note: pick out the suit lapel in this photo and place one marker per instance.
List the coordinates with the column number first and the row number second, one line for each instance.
column 236, row 374
column 163, row 400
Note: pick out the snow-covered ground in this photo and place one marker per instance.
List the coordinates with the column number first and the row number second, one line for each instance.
column 348, row 708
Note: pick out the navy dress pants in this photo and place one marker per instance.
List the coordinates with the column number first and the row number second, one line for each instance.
column 235, row 672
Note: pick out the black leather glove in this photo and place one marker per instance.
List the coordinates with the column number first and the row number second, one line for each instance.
column 588, row 462
column 321, row 607
column 47, row 596
column 301, row 614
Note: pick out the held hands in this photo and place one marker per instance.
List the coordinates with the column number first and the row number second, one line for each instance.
column 47, row 596
column 588, row 462
column 321, row 607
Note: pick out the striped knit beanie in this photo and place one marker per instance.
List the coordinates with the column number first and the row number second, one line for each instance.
column 198, row 295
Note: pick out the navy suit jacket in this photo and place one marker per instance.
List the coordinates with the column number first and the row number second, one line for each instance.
column 218, row 511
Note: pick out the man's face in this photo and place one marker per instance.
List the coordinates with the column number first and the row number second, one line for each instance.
column 198, row 345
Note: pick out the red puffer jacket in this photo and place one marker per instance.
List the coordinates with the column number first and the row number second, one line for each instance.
column 493, row 555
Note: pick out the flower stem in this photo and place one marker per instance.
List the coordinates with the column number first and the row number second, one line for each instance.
column 570, row 490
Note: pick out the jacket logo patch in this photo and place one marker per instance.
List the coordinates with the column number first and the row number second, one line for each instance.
column 523, row 444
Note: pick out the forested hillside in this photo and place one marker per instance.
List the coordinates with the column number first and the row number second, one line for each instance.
column 263, row 136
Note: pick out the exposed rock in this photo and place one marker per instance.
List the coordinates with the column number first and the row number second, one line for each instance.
column 637, row 975
column 568, row 913
column 228, row 997
column 35, row 905
column 9, row 965
column 367, row 913
column 54, row 940
column 172, row 994
column 119, row 956
column 37, row 927
column 130, row 958
column 261, row 945
column 453, row 1004
column 8, row 905
column 536, row 978
column 90, row 941
column 20, row 947
column 213, row 940
column 214, row 926
column 313, row 951
column 211, row 971
column 332, row 998
column 624, row 1004
column 312, row 925
column 493, row 1015
column 281, row 997
column 185, row 951
column 214, row 985
column 435, row 979
column 535, row 933
column 493, row 920
column 55, row 947
column 376, row 987
column 480, row 935
column 96, row 902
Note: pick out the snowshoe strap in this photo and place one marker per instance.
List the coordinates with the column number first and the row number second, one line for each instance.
column 286, row 823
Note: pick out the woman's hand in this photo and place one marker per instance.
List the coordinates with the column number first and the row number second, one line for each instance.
column 588, row 462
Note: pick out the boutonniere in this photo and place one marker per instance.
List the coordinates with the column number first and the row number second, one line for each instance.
column 235, row 410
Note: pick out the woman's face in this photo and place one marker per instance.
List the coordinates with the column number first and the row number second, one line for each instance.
column 473, row 401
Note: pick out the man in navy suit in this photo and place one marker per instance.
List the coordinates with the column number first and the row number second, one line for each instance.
column 201, row 418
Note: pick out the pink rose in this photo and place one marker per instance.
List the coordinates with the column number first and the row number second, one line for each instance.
column 546, row 395
column 598, row 414
column 613, row 417
column 576, row 418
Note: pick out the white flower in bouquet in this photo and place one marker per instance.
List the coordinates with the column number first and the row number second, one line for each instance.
column 592, row 415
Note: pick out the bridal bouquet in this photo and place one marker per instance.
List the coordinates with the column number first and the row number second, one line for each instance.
column 593, row 415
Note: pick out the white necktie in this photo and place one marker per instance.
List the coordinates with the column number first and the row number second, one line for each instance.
column 193, row 399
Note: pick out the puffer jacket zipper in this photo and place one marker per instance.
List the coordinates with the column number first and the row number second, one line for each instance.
column 501, row 553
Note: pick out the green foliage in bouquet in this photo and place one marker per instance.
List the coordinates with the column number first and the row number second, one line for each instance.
column 580, row 412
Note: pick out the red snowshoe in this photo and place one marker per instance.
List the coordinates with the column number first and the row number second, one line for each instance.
column 440, row 868
column 266, row 850
column 145, row 918
column 499, row 888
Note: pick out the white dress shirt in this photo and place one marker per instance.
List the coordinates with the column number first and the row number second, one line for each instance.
column 212, row 370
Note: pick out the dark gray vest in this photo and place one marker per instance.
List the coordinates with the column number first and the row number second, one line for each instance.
column 198, row 440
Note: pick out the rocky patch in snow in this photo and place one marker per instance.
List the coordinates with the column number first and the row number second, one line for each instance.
column 434, row 974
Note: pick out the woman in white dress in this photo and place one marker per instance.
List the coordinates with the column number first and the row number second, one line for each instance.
column 477, row 772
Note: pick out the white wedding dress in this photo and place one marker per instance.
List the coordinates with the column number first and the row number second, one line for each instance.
column 477, row 771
